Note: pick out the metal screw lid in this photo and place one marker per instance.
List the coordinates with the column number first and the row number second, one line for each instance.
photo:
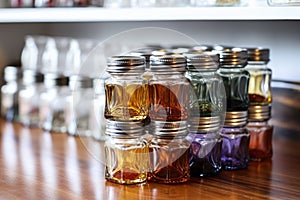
column 259, row 113
column 258, row 55
column 12, row 73
column 231, row 58
column 121, row 64
column 124, row 129
column 77, row 81
column 168, row 63
column 168, row 129
column 202, row 48
column 236, row 118
column 52, row 79
column 206, row 61
column 204, row 124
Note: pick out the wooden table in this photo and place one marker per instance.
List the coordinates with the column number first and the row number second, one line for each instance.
column 39, row 165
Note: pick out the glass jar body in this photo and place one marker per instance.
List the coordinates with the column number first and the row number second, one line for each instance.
column 169, row 160
column 169, row 96
column 235, row 148
column 205, row 153
column 126, row 97
column 236, row 82
column 259, row 84
column 127, row 160
column 260, row 147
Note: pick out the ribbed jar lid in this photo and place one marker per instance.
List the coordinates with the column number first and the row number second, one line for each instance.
column 258, row 55
column 168, row 129
column 52, row 79
column 259, row 113
column 204, row 124
column 203, row 61
column 231, row 58
column 168, row 63
column 12, row 73
column 122, row 129
column 236, row 118
column 121, row 64
column 77, row 81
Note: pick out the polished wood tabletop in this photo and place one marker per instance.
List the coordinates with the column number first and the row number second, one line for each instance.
column 40, row 165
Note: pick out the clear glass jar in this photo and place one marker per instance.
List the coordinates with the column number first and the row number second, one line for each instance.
column 29, row 98
column 78, row 105
column 235, row 78
column 169, row 89
column 10, row 93
column 169, row 153
column 126, row 90
column 261, row 132
column 205, row 152
column 126, row 153
column 259, row 90
column 52, row 103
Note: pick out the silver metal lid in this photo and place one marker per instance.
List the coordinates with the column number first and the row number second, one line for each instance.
column 258, row 55
column 236, row 118
column 124, row 129
column 168, row 63
column 206, row 60
column 202, row 48
column 77, row 81
column 52, row 79
column 231, row 58
column 168, row 129
column 121, row 64
column 12, row 73
column 259, row 113
column 204, row 124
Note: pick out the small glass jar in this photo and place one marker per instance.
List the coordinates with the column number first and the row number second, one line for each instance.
column 169, row 89
column 235, row 146
column 259, row 90
column 235, row 78
column 78, row 105
column 126, row 152
column 261, row 133
column 126, row 90
column 29, row 98
column 10, row 93
column 169, row 152
column 52, row 103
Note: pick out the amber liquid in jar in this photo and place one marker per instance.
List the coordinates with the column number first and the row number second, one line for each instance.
column 169, row 103
column 126, row 102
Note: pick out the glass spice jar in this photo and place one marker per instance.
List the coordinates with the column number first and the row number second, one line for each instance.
column 169, row 152
column 261, row 132
column 168, row 89
column 29, row 98
column 259, row 90
column 126, row 90
column 10, row 93
column 52, row 103
column 126, row 152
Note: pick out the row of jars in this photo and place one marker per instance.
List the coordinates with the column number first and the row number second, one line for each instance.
column 182, row 115
column 50, row 3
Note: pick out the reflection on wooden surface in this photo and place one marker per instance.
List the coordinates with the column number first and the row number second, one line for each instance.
column 39, row 165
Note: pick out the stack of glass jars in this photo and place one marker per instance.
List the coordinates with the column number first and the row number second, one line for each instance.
column 259, row 111
column 235, row 147
column 206, row 114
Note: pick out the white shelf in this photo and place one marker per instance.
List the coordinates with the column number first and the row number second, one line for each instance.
column 90, row 14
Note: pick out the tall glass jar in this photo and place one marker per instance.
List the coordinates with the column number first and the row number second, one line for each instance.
column 126, row 153
column 168, row 89
column 261, row 133
column 260, row 76
column 52, row 103
column 78, row 105
column 235, row 147
column 10, row 93
column 29, row 98
column 126, row 90
column 169, row 152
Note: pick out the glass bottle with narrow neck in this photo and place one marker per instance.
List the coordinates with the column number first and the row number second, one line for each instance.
column 261, row 132
column 260, row 76
column 168, row 88
column 126, row 90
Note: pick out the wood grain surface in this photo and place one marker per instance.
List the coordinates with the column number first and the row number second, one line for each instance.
column 39, row 165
